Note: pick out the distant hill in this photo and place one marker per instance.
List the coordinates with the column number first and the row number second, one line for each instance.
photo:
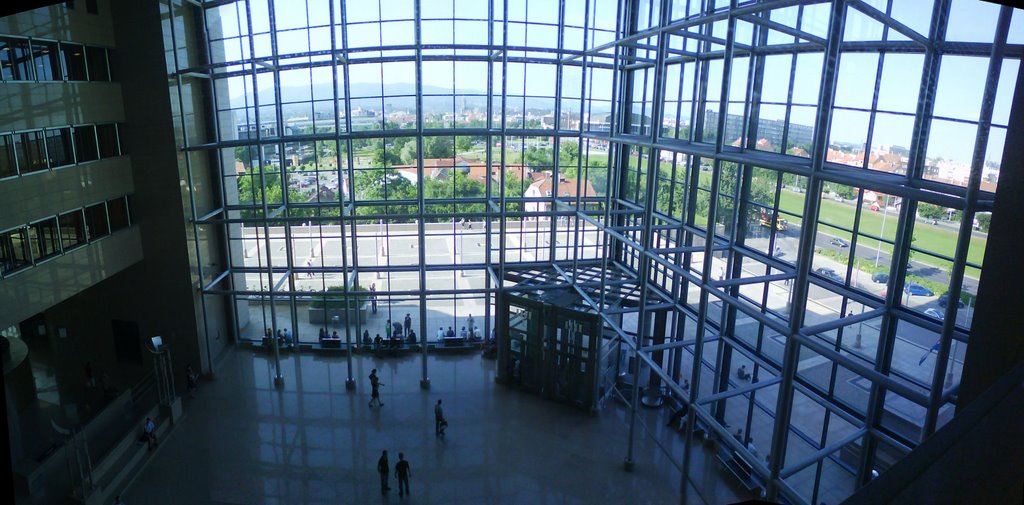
column 473, row 98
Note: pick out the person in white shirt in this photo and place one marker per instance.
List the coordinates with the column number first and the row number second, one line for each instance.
column 440, row 333
column 470, row 325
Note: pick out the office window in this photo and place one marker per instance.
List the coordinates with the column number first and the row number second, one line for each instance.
column 96, row 221
column 117, row 210
column 85, row 143
column 15, row 64
column 7, row 166
column 45, row 61
column 44, row 239
column 58, row 147
column 97, row 62
column 72, row 229
column 14, row 251
column 107, row 135
column 73, row 57
column 29, row 149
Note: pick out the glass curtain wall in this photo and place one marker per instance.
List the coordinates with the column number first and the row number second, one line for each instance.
column 805, row 188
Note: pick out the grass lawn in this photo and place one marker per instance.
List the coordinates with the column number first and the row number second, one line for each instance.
column 928, row 237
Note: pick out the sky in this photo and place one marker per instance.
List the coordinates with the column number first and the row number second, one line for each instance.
column 376, row 24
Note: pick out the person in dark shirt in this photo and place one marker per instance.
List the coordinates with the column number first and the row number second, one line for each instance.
column 375, row 389
column 440, row 423
column 402, row 473
column 383, row 469
column 450, row 333
column 408, row 323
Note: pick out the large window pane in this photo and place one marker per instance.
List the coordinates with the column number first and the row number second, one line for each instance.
column 96, row 221
column 107, row 136
column 58, row 147
column 7, row 166
column 73, row 58
column 14, row 250
column 30, row 151
column 85, row 143
column 46, row 61
column 72, row 229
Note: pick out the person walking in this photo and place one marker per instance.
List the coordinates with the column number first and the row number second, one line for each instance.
column 383, row 469
column 90, row 380
column 402, row 473
column 193, row 380
column 149, row 431
column 408, row 324
column 471, row 324
column 375, row 388
column 439, row 422
column 373, row 297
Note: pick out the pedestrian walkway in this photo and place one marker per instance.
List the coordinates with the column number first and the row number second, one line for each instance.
column 243, row 441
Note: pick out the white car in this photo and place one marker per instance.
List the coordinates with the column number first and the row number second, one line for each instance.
column 935, row 313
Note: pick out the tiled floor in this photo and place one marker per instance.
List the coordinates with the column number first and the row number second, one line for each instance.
column 243, row 441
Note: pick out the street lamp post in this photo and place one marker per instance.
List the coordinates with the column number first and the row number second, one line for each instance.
column 377, row 247
column 881, row 233
column 952, row 356
column 462, row 251
column 312, row 247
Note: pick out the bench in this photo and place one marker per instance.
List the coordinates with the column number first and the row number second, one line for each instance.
column 741, row 469
column 330, row 343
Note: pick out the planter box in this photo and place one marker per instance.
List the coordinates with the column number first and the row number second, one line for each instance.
column 326, row 316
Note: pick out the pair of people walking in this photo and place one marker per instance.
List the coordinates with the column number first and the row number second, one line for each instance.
column 402, row 473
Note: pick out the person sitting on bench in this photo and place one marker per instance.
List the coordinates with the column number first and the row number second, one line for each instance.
column 673, row 422
column 463, row 333
column 742, row 373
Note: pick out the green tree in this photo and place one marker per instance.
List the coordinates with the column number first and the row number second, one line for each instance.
column 464, row 144
column 384, row 156
column 984, row 220
column 409, row 153
column 570, row 152
column 931, row 211
column 597, row 174
column 538, row 158
column 438, row 147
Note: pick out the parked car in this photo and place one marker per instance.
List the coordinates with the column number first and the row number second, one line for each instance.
column 838, row 242
column 917, row 290
column 934, row 313
column 829, row 274
column 944, row 300
column 880, row 278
